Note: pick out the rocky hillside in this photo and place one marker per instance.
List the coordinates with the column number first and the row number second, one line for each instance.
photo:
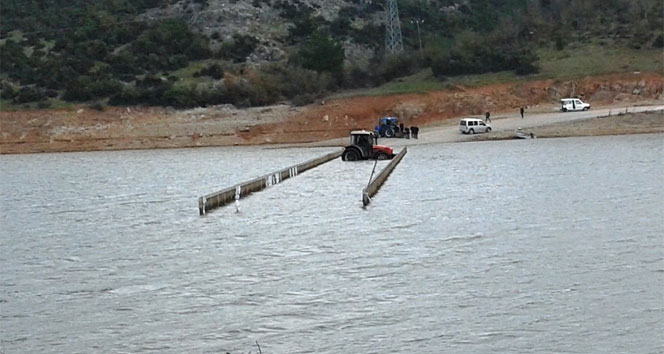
column 188, row 53
column 262, row 20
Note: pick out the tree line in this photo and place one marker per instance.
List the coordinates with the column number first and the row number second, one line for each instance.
column 85, row 50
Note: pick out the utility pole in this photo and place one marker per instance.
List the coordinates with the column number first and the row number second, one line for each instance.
column 393, row 42
column 417, row 22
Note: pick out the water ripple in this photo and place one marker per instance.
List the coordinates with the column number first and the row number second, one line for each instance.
column 545, row 247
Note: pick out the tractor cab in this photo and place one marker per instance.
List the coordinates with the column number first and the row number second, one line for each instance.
column 364, row 146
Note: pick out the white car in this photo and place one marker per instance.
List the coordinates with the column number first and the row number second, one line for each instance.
column 573, row 104
column 473, row 125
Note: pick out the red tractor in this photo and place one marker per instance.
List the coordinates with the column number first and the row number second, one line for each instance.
column 364, row 146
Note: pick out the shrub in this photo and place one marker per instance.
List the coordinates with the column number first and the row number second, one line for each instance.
column 303, row 99
column 294, row 80
column 559, row 42
column 85, row 88
column 169, row 45
column 524, row 63
column 340, row 27
column 213, row 95
column 238, row 48
column 658, row 42
column 265, row 88
column 238, row 92
column 149, row 81
column 473, row 54
column 95, row 49
column 214, row 70
column 97, row 106
column 370, row 35
column 123, row 64
column 355, row 77
column 439, row 65
column 13, row 61
column 394, row 66
column 77, row 91
column 322, row 53
column 29, row 94
column 7, row 91
column 128, row 95
column 180, row 96
column 303, row 23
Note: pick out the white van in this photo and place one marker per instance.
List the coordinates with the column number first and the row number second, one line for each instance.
column 473, row 125
column 573, row 104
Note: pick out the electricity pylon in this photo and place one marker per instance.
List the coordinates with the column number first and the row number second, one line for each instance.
column 393, row 42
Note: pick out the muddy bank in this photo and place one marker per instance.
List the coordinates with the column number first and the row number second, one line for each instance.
column 120, row 128
column 117, row 128
column 335, row 118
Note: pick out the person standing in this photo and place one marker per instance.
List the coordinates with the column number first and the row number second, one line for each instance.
column 521, row 111
column 488, row 117
column 414, row 130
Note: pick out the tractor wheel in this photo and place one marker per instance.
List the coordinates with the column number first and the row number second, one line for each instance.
column 471, row 131
column 382, row 156
column 351, row 155
column 389, row 133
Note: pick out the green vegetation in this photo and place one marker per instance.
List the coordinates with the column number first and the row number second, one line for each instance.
column 573, row 62
column 424, row 81
column 591, row 59
column 322, row 54
column 103, row 51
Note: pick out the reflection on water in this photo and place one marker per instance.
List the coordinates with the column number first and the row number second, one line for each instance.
column 550, row 245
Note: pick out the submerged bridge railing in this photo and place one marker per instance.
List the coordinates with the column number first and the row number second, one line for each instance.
column 377, row 182
column 226, row 196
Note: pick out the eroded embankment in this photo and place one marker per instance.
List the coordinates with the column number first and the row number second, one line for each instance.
column 335, row 118
column 84, row 129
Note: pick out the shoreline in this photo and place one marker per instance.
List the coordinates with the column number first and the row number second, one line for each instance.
column 325, row 123
column 649, row 122
column 642, row 119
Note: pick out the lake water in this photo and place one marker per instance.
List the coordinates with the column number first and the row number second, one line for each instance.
column 546, row 245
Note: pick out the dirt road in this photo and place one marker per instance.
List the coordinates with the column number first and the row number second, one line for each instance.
column 510, row 123
column 500, row 124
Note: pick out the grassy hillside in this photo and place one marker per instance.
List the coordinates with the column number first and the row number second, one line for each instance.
column 583, row 59
column 575, row 61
